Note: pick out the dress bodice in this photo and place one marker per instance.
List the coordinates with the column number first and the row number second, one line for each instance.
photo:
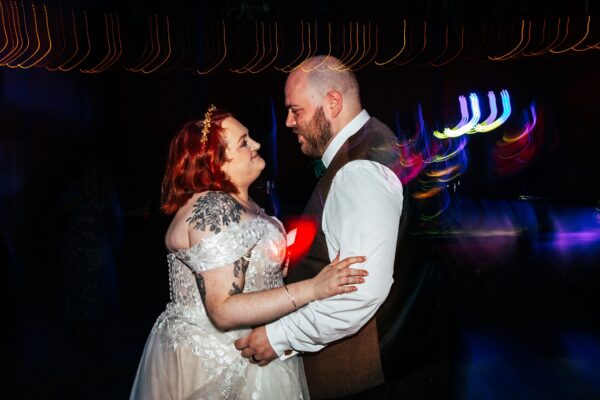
column 259, row 238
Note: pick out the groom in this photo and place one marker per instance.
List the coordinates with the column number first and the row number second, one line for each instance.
column 357, row 206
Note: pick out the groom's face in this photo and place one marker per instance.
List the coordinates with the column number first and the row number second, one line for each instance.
column 313, row 129
column 314, row 134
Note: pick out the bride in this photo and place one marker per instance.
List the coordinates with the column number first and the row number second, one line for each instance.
column 225, row 275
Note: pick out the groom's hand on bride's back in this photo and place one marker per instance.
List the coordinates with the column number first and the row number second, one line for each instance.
column 256, row 347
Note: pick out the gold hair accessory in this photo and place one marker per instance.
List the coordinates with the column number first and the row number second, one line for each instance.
column 206, row 124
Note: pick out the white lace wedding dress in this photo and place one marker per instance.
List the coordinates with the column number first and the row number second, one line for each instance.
column 185, row 356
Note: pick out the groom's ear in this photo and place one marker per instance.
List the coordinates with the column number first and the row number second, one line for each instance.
column 334, row 103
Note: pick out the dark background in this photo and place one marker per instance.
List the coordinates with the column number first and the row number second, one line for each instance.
column 525, row 301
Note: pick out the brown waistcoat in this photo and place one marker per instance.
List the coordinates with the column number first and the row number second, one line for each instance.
column 352, row 364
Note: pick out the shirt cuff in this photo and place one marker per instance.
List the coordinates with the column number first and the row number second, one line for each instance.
column 278, row 341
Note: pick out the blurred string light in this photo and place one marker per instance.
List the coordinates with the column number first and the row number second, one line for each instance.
column 221, row 58
column 295, row 63
column 435, row 162
column 269, row 54
column 381, row 63
column 416, row 55
column 76, row 58
column 434, row 165
column 369, row 52
column 113, row 44
column 443, row 168
column 514, row 50
column 36, row 35
column 434, row 62
column 516, row 150
column 471, row 125
column 412, row 150
column 157, row 56
column 465, row 124
column 28, row 49
column 492, row 122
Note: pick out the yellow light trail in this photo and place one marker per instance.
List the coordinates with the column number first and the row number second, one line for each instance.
column 209, row 70
column 545, row 50
column 144, row 57
column 505, row 56
column 462, row 45
column 290, row 66
column 64, row 67
column 399, row 51
column 169, row 52
column 410, row 59
column 17, row 27
column 251, row 70
column 587, row 32
column 376, row 47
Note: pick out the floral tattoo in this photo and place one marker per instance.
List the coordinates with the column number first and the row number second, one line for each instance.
column 213, row 210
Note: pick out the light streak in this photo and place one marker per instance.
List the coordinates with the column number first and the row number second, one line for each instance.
column 4, row 25
column 462, row 44
column 345, row 61
column 506, row 56
column 39, row 60
column 366, row 48
column 399, row 52
column 62, row 67
column 541, row 41
column 62, row 40
column 410, row 59
column 270, row 48
column 289, row 67
column 376, row 47
column 565, row 38
column 109, row 59
column 245, row 67
column 209, row 70
column 20, row 40
column 466, row 126
column 587, row 32
column 506, row 110
column 144, row 57
column 545, row 50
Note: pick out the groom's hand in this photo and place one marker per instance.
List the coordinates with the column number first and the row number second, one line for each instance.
column 256, row 347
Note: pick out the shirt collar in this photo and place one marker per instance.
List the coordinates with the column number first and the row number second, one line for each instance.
column 338, row 140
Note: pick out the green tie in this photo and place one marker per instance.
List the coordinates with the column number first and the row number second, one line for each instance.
column 319, row 167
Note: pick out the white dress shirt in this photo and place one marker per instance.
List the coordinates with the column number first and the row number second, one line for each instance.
column 360, row 218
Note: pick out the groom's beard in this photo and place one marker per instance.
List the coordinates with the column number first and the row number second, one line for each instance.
column 316, row 133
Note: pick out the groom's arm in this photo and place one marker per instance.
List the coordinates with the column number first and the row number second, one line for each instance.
column 361, row 217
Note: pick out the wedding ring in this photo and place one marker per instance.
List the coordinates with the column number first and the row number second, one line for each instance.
column 254, row 359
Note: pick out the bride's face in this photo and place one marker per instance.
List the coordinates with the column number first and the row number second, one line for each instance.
column 244, row 164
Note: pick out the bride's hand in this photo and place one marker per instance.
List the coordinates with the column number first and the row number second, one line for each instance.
column 337, row 278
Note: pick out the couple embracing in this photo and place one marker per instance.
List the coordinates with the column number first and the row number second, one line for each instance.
column 236, row 327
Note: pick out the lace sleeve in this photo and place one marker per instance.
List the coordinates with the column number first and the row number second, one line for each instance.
column 219, row 231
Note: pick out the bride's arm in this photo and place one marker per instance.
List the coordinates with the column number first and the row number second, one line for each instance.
column 229, row 308
column 221, row 286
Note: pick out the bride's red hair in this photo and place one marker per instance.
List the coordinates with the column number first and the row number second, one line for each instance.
column 192, row 168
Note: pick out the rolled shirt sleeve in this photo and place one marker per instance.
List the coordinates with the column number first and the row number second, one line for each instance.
column 360, row 218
